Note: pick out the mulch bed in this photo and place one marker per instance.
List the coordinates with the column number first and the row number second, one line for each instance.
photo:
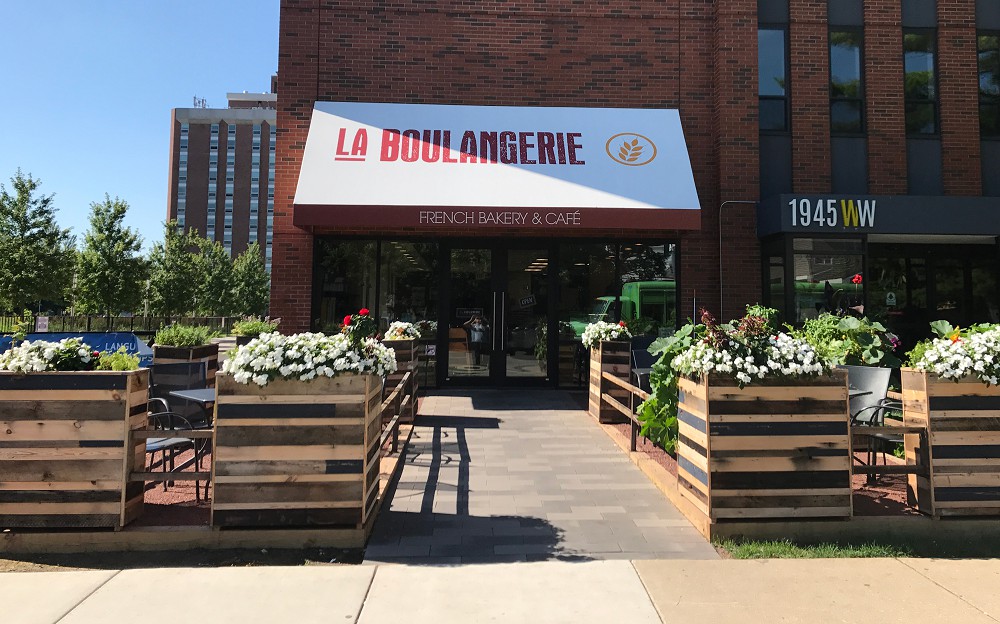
column 885, row 497
column 176, row 506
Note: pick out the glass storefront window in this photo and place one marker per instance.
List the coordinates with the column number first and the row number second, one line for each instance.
column 824, row 271
column 776, row 284
column 345, row 280
column 587, row 293
column 409, row 286
column 985, row 294
column 648, row 288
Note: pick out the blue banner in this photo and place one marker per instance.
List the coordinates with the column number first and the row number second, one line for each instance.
column 111, row 341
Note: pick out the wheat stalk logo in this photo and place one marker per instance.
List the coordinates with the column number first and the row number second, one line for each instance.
column 630, row 152
column 634, row 150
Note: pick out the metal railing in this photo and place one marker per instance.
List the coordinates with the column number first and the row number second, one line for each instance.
column 401, row 404
column 139, row 325
column 628, row 412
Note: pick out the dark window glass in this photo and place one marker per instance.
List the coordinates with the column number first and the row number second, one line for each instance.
column 989, row 85
column 989, row 119
column 846, row 116
column 773, row 79
column 920, row 84
column 772, row 114
column 846, row 87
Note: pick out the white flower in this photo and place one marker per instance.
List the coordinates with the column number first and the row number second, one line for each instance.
column 41, row 355
column 305, row 357
column 602, row 331
column 398, row 330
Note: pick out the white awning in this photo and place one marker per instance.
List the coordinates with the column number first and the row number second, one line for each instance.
column 428, row 166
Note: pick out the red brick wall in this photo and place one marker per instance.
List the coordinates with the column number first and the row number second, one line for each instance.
column 810, row 81
column 884, row 98
column 634, row 54
column 958, row 82
column 292, row 248
column 696, row 55
column 736, row 148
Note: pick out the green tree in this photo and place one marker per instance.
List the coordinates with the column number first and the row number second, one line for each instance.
column 174, row 272
column 251, row 283
column 111, row 273
column 216, row 290
column 36, row 256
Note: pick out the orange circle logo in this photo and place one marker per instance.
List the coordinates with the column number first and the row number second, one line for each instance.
column 631, row 149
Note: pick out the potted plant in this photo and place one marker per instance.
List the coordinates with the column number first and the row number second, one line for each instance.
column 402, row 337
column 851, row 341
column 298, row 426
column 68, row 414
column 763, row 425
column 249, row 327
column 950, row 388
column 610, row 351
column 187, row 343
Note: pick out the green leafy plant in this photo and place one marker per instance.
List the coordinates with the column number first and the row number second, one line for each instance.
column 184, row 336
column 850, row 340
column 658, row 414
column 643, row 325
column 24, row 326
column 119, row 360
column 360, row 326
column 899, row 451
column 255, row 326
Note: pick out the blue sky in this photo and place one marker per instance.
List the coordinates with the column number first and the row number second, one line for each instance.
column 89, row 84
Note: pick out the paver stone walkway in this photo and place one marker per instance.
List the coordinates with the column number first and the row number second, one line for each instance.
column 523, row 475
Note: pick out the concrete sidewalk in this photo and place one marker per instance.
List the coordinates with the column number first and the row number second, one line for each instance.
column 816, row 591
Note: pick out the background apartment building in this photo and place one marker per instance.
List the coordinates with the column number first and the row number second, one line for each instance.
column 222, row 171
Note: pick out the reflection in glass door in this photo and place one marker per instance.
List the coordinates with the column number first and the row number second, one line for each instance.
column 525, row 313
column 470, row 314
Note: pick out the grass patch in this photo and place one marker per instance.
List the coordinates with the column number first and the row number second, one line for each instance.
column 785, row 549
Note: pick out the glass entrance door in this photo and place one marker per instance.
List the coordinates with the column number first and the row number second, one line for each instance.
column 525, row 313
column 471, row 314
column 498, row 314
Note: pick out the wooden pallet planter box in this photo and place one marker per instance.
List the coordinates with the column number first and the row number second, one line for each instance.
column 775, row 449
column 613, row 357
column 296, row 453
column 66, row 449
column 209, row 354
column 962, row 420
column 407, row 359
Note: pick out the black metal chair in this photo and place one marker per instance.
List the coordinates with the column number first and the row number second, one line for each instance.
column 167, row 378
column 642, row 361
column 169, row 446
column 869, row 387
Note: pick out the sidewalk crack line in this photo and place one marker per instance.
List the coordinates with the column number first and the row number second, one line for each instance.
column 84, row 599
column 364, row 600
column 976, row 607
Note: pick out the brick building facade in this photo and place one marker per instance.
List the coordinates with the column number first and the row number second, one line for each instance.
column 703, row 58
column 221, row 180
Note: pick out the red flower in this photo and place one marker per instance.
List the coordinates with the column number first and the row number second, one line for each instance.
column 96, row 354
column 347, row 320
column 621, row 323
column 364, row 311
column 857, row 279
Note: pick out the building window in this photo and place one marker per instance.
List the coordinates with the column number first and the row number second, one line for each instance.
column 989, row 84
column 920, row 82
column 773, row 77
column 846, row 87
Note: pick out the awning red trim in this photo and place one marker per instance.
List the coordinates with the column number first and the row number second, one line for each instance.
column 483, row 220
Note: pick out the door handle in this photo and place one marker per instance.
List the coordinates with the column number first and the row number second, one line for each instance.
column 503, row 320
column 495, row 328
